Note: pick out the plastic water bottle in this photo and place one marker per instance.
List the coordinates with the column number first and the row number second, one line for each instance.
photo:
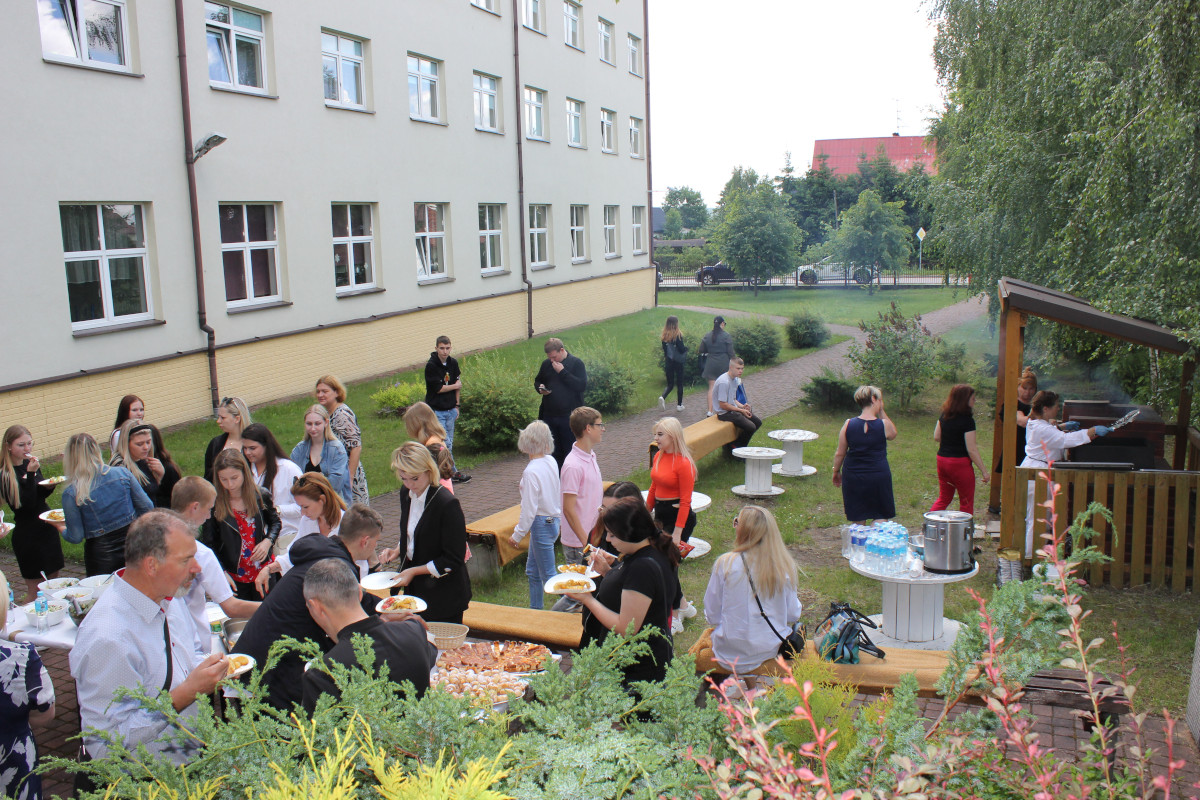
column 42, row 609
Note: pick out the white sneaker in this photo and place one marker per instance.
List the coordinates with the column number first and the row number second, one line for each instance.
column 679, row 407
column 662, row 404
column 676, row 624
column 709, row 414
column 687, row 610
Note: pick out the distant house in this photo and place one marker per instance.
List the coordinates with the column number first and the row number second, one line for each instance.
column 658, row 220
column 843, row 155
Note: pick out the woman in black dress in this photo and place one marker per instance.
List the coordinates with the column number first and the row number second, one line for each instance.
column 232, row 418
column 36, row 544
column 862, row 456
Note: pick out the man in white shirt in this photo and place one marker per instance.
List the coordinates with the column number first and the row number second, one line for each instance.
column 139, row 634
column 730, row 408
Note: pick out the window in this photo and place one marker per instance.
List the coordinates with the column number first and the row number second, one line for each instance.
column 639, row 216
column 486, row 5
column 235, row 47
column 249, row 250
column 635, row 137
column 487, row 103
column 539, row 235
column 571, row 33
column 579, row 233
column 612, row 245
column 90, row 32
column 431, row 239
column 606, row 41
column 535, row 125
column 533, row 15
column 353, row 245
column 423, row 89
column 342, row 66
column 491, row 236
column 105, row 249
column 608, row 119
column 635, row 55
column 574, row 123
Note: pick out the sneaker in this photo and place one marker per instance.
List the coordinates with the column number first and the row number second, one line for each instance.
column 679, row 407
column 687, row 610
column 676, row 624
column 460, row 477
column 662, row 404
column 709, row 414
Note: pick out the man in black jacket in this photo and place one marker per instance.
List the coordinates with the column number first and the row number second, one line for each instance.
column 443, row 389
column 561, row 382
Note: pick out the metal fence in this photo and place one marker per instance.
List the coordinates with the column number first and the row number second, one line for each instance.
column 688, row 280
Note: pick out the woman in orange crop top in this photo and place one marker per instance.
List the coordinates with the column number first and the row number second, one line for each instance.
column 672, row 478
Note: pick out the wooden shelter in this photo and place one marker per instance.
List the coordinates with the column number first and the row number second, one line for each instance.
column 1156, row 515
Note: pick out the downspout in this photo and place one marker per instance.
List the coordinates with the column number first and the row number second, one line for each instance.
column 520, row 107
column 185, row 102
column 648, row 222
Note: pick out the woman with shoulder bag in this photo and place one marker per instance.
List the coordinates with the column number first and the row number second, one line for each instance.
column 717, row 348
column 674, row 355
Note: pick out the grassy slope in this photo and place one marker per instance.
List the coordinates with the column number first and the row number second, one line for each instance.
column 841, row 306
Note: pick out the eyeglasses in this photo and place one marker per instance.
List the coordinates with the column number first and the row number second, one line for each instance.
column 599, row 425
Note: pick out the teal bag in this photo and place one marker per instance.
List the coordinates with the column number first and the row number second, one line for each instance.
column 840, row 636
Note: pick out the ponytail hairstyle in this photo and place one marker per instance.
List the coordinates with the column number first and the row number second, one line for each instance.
column 251, row 498
column 122, row 458
column 316, row 486
column 10, row 490
column 261, row 435
column 422, row 424
column 1043, row 400
column 628, row 520
column 1028, row 379
column 443, row 459
column 671, row 329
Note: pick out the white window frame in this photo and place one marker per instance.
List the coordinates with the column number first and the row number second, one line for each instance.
column 638, row 229
column 579, row 244
column 605, row 30
column 432, row 80
column 486, row 98
column 103, row 256
column 349, row 241
column 535, row 15
column 229, row 33
column 245, row 247
column 491, row 237
column 635, row 54
column 612, row 239
column 426, row 241
column 539, row 235
column 341, row 59
column 572, row 30
column 69, row 28
column 486, row 5
column 576, row 126
column 608, row 124
column 635, row 138
column 535, row 114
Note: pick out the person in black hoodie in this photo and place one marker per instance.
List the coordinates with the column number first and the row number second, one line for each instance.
column 561, row 382
column 443, row 389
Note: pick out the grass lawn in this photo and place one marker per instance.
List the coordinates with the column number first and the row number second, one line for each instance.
column 840, row 306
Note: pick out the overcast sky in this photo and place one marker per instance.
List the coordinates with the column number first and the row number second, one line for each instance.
column 741, row 82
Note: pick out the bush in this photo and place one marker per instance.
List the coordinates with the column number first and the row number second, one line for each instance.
column 611, row 377
column 665, row 257
column 756, row 340
column 806, row 330
column 394, row 400
column 952, row 360
column 899, row 356
column 495, row 405
column 830, row 391
column 691, row 365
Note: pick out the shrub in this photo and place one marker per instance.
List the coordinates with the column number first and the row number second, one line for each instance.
column 495, row 405
column 952, row 360
column 611, row 376
column 829, row 391
column 691, row 365
column 394, row 400
column 806, row 330
column 756, row 340
column 899, row 356
column 665, row 257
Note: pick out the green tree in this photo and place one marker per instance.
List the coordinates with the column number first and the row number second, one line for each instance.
column 693, row 258
column 899, row 355
column 872, row 234
column 673, row 224
column 690, row 204
column 812, row 200
column 755, row 235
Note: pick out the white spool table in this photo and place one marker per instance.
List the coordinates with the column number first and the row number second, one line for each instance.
column 792, row 441
column 758, row 471
column 700, row 501
column 913, row 610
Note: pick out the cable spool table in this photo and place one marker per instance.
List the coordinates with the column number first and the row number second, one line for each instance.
column 913, row 610
column 793, row 440
column 758, row 471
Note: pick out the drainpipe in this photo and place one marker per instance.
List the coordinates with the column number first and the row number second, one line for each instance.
column 648, row 222
column 185, row 102
column 520, row 115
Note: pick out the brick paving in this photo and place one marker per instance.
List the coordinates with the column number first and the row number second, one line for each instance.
column 623, row 452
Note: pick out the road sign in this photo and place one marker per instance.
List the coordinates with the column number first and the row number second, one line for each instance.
column 921, row 234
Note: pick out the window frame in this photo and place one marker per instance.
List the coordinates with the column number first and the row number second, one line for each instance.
column 229, row 33
column 572, row 34
column 535, row 108
column 429, row 238
column 638, row 226
column 102, row 256
column 340, row 59
column 634, row 43
column 606, row 31
column 246, row 247
column 349, row 241
column 534, row 15
column 435, row 88
column 635, row 138
column 486, row 5
column 492, row 213
column 478, row 92
column 576, row 123
column 608, row 137
column 537, row 232
column 578, row 228
column 74, row 24
column 612, row 239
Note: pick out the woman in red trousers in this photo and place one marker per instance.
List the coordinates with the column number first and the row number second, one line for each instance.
column 955, row 432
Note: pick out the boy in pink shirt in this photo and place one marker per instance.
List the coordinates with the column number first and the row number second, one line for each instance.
column 582, row 490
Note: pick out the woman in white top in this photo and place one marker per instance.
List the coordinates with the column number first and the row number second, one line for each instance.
column 1045, row 442
column 741, row 640
column 541, row 508
column 321, row 510
column 274, row 471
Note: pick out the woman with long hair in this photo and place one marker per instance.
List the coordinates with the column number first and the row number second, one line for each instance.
column 862, row 452
column 635, row 592
column 331, row 394
column 135, row 452
column 751, row 597
column 130, row 407
column 171, row 471
column 423, row 426
column 672, row 480
column 321, row 509
column 717, row 347
column 957, row 451
column 674, row 355
column 244, row 524
column 541, row 508
column 99, row 504
column 320, row 451
column 232, row 418
column 35, row 543
column 273, row 470
column 1027, row 387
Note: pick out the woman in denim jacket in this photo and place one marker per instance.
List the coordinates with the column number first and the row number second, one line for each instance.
column 320, row 451
column 99, row 503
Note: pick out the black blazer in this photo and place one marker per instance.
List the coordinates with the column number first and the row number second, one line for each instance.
column 215, row 446
column 223, row 537
column 441, row 537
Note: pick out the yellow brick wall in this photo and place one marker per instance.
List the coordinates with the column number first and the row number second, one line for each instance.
column 568, row 305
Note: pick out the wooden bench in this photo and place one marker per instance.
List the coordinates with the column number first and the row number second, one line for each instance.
column 703, row 437
column 551, row 628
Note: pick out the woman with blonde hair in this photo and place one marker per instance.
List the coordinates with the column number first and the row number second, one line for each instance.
column 674, row 355
column 232, row 418
column 35, row 542
column 672, row 480
column 331, row 394
column 99, row 504
column 423, row 426
column 135, row 452
column 862, row 453
column 541, row 508
column 320, row 451
column 751, row 599
column 244, row 523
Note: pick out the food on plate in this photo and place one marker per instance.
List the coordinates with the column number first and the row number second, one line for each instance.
column 400, row 603
column 54, row 481
column 574, row 586
column 236, row 662
column 55, row 515
column 506, row 656
column 73, row 594
column 578, row 569
column 484, row 687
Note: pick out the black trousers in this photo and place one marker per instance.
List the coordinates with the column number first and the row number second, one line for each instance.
column 104, row 554
column 746, row 425
column 564, row 440
column 674, row 370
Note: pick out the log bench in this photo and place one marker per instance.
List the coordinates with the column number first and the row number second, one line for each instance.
column 554, row 629
column 703, row 437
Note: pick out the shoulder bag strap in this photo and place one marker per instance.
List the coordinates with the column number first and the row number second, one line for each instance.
column 758, row 602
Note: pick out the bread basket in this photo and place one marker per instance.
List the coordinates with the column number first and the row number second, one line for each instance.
column 448, row 635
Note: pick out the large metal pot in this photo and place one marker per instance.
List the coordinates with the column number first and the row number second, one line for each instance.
column 948, row 545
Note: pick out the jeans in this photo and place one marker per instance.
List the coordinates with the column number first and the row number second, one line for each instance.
column 571, row 555
column 447, row 418
column 539, row 565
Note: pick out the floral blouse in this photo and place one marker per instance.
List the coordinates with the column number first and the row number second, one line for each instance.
column 344, row 425
column 247, row 570
column 24, row 686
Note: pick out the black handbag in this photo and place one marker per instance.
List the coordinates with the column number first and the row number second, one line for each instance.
column 790, row 646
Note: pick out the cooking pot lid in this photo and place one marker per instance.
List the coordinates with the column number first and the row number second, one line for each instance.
column 948, row 516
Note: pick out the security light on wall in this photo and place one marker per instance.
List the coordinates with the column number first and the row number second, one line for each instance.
column 207, row 143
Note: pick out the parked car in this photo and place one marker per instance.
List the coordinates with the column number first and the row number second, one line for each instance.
column 719, row 272
column 812, row 274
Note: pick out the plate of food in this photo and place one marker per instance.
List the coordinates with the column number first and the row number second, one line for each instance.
column 54, row 481
column 578, row 569
column 488, row 688
column 239, row 664
column 699, row 548
column 571, row 582
column 401, row 602
column 53, row 515
column 515, row 657
column 57, row 584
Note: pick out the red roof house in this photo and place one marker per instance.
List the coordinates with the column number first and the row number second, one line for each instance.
column 904, row 151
